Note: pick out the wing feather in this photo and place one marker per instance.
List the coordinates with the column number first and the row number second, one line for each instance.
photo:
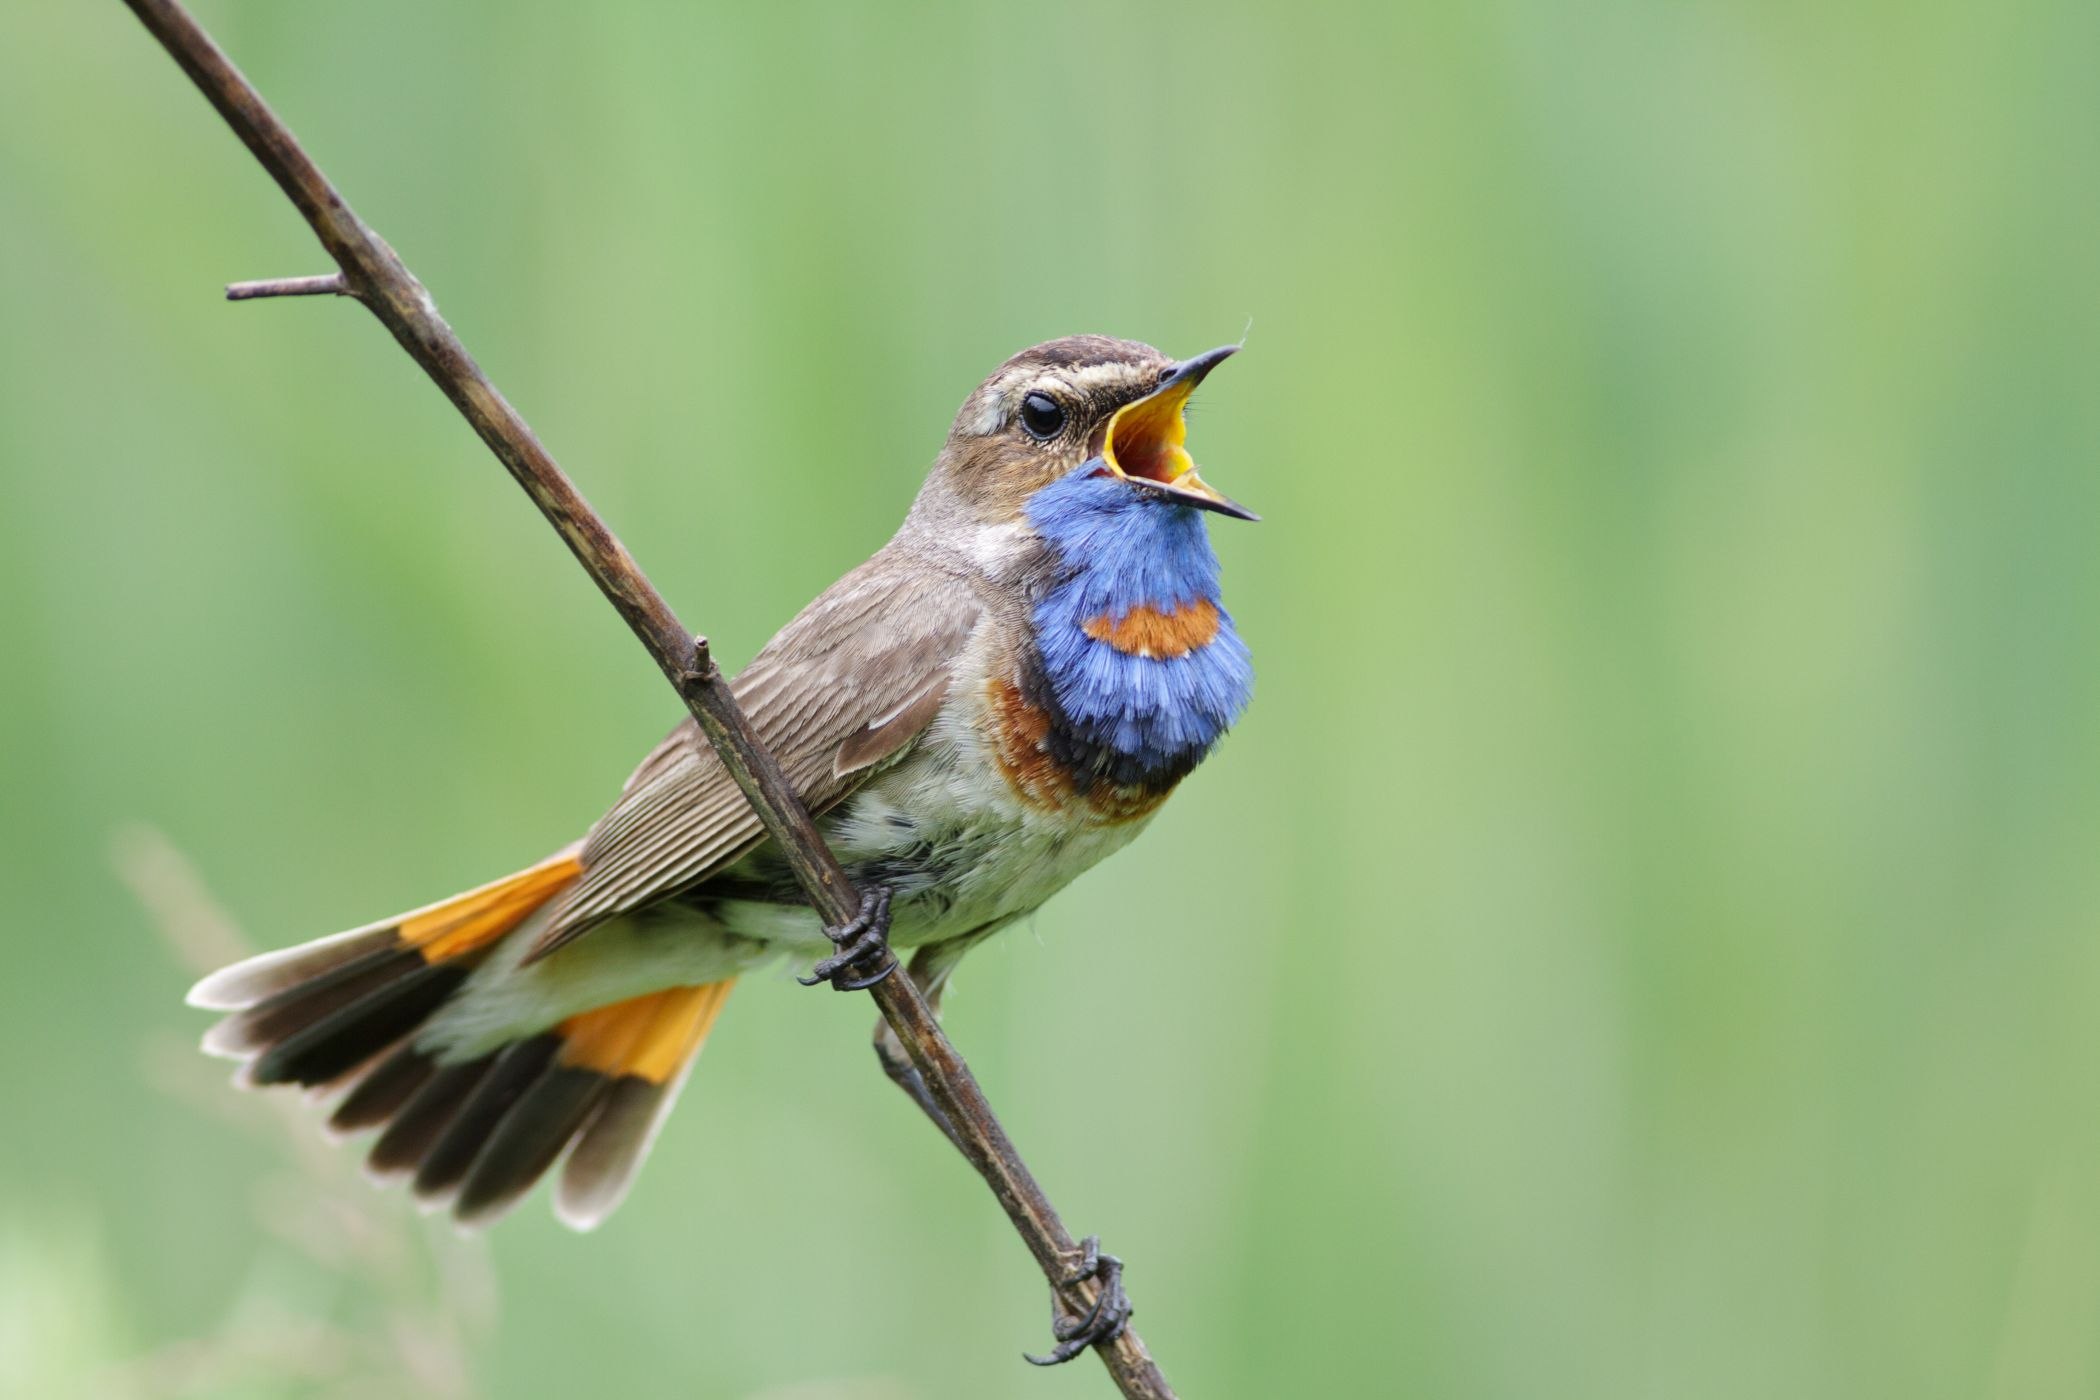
column 852, row 681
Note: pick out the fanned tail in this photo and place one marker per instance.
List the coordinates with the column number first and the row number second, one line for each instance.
column 312, row 1014
column 342, row 1014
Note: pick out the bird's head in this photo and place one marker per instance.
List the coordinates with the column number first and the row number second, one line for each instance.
column 1086, row 404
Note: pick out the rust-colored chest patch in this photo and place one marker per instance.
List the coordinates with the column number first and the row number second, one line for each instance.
column 1149, row 632
column 1025, row 745
column 1019, row 732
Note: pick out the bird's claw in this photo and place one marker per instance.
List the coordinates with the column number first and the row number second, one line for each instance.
column 1101, row 1323
column 861, row 942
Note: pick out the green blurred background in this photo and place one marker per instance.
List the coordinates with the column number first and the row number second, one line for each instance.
column 1640, row 943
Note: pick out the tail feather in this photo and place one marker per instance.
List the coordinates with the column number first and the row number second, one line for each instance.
column 342, row 1039
column 346, row 1015
column 529, row 1140
column 266, row 975
column 439, row 932
column 610, row 1150
column 380, row 1094
column 411, row 1133
column 643, row 1076
column 247, row 1033
column 517, row 1068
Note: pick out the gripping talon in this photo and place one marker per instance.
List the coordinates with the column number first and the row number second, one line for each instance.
column 1101, row 1323
column 859, row 942
column 863, row 983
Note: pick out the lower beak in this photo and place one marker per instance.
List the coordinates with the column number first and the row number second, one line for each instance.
column 1143, row 443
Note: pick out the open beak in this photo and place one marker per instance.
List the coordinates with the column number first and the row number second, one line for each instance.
column 1143, row 444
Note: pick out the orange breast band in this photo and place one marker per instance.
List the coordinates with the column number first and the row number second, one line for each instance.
column 1146, row 631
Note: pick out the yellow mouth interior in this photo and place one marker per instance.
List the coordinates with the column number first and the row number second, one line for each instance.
column 1145, row 438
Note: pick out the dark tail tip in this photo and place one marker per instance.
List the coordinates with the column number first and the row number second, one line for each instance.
column 343, row 1036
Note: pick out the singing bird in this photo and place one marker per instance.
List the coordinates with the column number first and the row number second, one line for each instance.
column 1000, row 697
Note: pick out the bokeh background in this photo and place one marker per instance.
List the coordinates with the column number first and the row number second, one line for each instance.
column 1640, row 943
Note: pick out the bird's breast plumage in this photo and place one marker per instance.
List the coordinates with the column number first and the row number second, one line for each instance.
column 1131, row 670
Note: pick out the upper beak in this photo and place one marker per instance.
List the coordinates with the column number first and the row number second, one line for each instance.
column 1143, row 443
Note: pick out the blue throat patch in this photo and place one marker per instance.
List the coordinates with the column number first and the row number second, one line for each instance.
column 1132, row 720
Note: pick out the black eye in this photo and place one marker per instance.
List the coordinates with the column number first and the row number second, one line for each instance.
column 1042, row 416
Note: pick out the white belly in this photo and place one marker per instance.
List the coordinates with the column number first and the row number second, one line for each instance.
column 959, row 850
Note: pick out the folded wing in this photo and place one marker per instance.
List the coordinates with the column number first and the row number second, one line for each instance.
column 846, row 686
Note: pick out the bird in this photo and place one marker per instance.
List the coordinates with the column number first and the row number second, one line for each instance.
column 996, row 700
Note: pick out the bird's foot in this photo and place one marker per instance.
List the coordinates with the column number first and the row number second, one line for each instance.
column 863, row 957
column 1103, row 1322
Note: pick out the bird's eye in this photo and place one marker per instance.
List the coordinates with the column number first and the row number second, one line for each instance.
column 1042, row 416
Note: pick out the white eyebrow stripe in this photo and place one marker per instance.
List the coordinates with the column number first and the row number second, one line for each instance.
column 1116, row 372
column 1002, row 394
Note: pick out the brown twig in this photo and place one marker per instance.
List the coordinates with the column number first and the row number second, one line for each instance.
column 371, row 272
column 328, row 284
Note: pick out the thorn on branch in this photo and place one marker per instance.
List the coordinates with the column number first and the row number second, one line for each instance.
column 329, row 284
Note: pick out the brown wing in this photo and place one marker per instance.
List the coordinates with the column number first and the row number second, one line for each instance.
column 850, row 682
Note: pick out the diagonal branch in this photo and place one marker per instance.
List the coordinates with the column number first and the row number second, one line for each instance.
column 370, row 272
